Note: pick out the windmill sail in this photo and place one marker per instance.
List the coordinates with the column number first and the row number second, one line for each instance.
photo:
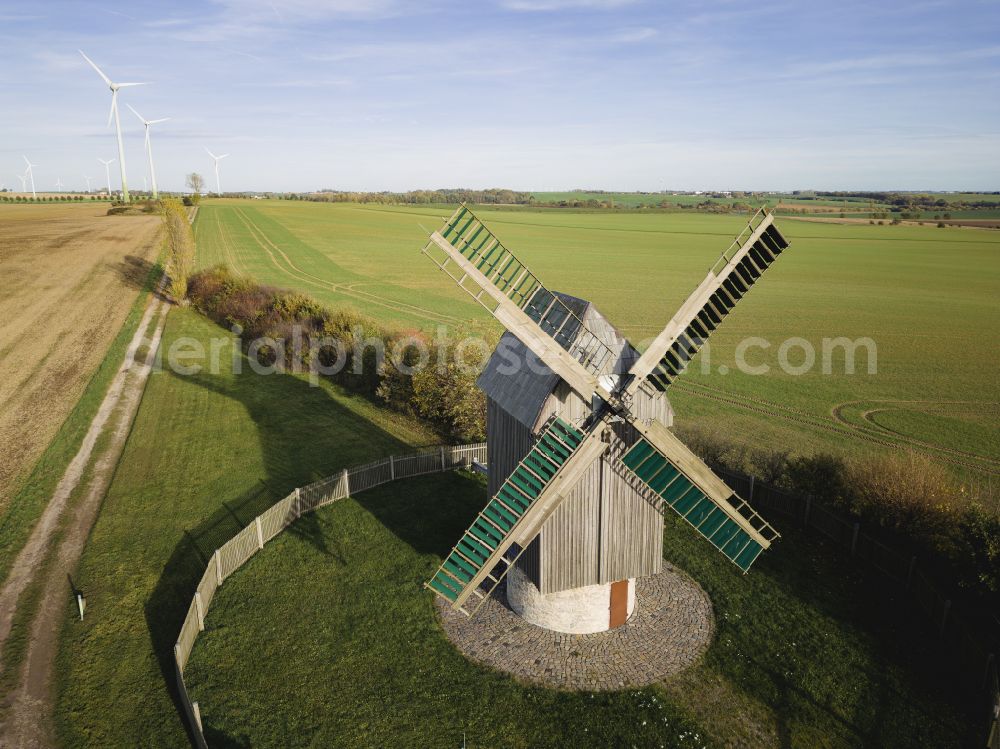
column 683, row 483
column 728, row 281
column 476, row 260
column 486, row 551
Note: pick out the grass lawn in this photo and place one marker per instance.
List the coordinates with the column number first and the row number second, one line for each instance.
column 206, row 454
column 326, row 638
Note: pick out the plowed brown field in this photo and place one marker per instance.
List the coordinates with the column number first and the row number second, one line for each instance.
column 68, row 277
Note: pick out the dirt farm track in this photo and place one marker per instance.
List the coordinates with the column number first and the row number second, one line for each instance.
column 70, row 275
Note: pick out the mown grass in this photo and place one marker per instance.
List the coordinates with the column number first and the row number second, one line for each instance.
column 207, row 452
column 326, row 638
column 925, row 297
column 31, row 496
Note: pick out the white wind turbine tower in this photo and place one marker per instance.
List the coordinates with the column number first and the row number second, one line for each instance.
column 30, row 173
column 24, row 181
column 59, row 184
column 114, row 114
column 107, row 172
column 88, row 182
column 149, row 145
column 217, row 159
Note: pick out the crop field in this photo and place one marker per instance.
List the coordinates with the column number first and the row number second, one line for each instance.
column 70, row 275
column 926, row 297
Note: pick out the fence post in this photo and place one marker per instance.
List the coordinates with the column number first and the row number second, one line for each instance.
column 392, row 468
column 944, row 615
column 197, row 716
column 442, row 457
column 805, row 518
column 347, row 484
column 218, row 567
column 201, row 611
column 909, row 572
column 260, row 533
column 298, row 503
column 854, row 539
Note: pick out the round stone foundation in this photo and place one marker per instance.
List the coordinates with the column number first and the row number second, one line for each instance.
column 670, row 628
column 580, row 611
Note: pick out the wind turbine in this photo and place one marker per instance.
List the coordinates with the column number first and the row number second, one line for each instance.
column 24, row 181
column 149, row 146
column 59, row 184
column 88, row 182
column 217, row 159
column 114, row 114
column 30, row 173
column 107, row 172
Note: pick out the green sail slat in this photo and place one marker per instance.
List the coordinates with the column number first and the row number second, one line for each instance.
column 443, row 589
column 456, row 570
column 748, row 555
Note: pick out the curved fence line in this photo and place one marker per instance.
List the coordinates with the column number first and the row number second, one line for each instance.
column 236, row 551
column 977, row 661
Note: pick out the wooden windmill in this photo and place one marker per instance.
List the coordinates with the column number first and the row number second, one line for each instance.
column 582, row 463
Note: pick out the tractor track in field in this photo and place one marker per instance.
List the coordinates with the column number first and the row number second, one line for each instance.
column 270, row 248
column 843, row 428
column 228, row 247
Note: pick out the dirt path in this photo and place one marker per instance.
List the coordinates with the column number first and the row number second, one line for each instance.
column 28, row 706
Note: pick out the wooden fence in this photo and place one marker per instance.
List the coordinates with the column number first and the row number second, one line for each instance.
column 236, row 551
column 977, row 661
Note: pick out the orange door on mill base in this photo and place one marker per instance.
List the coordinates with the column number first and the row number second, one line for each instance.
column 619, row 603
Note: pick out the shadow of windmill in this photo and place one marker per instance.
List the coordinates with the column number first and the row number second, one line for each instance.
column 295, row 453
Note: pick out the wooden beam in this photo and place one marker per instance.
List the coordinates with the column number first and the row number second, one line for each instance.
column 512, row 317
column 682, row 318
column 531, row 522
column 699, row 474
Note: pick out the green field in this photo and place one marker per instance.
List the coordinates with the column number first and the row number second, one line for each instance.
column 925, row 296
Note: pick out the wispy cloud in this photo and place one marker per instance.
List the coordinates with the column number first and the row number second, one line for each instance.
column 544, row 6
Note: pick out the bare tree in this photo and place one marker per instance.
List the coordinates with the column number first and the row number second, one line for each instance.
column 196, row 182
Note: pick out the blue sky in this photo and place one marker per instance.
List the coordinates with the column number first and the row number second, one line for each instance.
column 528, row 94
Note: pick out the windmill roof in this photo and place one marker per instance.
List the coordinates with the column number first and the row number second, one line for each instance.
column 520, row 382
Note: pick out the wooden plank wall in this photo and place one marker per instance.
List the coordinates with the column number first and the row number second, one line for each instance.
column 604, row 531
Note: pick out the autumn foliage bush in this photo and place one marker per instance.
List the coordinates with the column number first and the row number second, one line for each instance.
column 443, row 391
column 907, row 494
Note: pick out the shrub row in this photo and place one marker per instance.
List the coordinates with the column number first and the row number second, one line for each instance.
column 291, row 331
column 912, row 498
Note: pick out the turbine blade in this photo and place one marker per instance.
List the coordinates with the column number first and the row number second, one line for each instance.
column 223, row 156
column 111, row 112
column 141, row 119
column 206, row 151
column 126, row 85
column 94, row 66
column 153, row 122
